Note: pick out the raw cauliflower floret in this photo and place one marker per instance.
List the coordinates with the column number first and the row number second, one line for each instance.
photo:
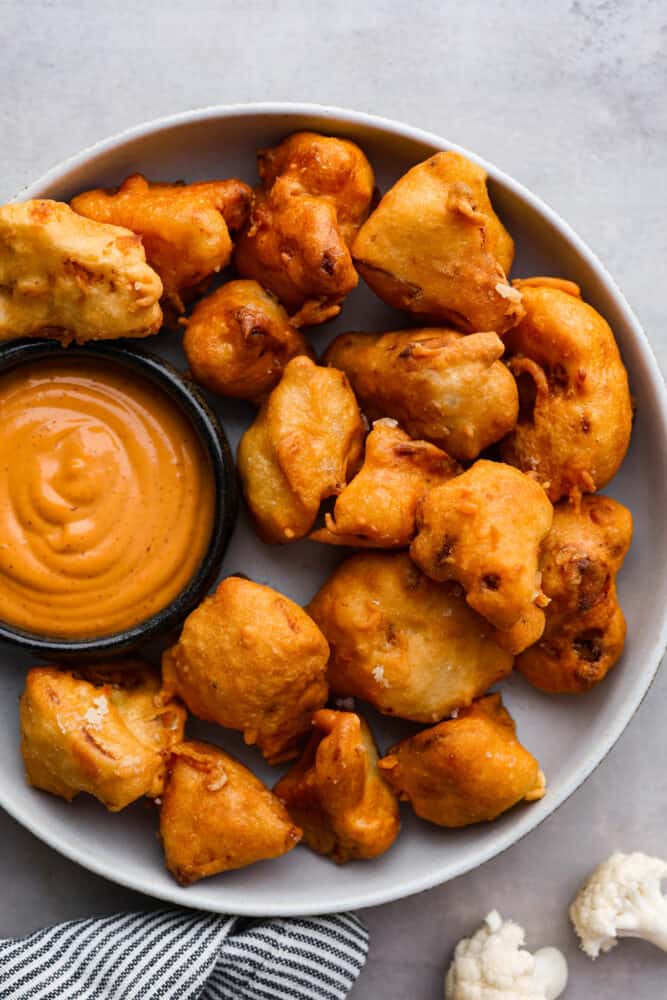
column 493, row 965
column 622, row 898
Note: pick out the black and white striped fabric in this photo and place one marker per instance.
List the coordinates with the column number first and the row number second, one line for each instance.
column 186, row 955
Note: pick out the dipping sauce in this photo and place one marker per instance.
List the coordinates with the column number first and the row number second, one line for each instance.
column 107, row 498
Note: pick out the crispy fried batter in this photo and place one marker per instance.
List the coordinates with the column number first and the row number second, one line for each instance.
column 484, row 530
column 585, row 627
column 465, row 770
column 575, row 416
column 250, row 659
column 435, row 247
column 239, row 339
column 336, row 793
column 184, row 227
column 316, row 192
column 409, row 646
column 68, row 278
column 526, row 631
column 105, row 731
column 217, row 816
column 378, row 508
column 305, row 442
column 440, row 385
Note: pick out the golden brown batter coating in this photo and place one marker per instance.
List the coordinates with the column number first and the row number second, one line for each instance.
column 576, row 415
column 336, row 793
column 378, row 508
column 305, row 443
column 69, row 278
column 484, row 529
column 440, row 385
column 239, row 339
column 585, row 627
column 409, row 646
column 327, row 167
column 184, row 227
column 217, row 816
column 526, row 631
column 250, row 659
column 105, row 731
column 466, row 770
column 315, row 193
column 435, row 247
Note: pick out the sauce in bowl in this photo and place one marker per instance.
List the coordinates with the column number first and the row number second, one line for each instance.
column 107, row 498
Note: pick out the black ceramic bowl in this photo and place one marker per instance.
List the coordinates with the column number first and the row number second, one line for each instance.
column 210, row 433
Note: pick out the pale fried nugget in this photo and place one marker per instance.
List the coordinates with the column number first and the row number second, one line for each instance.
column 466, row 770
column 440, row 385
column 184, row 227
column 408, row 645
column 66, row 277
column 484, row 530
column 304, row 444
column 336, row 793
column 435, row 247
column 378, row 508
column 105, row 731
column 250, row 659
column 585, row 627
column 239, row 339
column 217, row 816
column 316, row 192
column 576, row 415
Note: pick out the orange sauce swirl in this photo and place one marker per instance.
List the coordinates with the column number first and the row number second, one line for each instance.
column 107, row 498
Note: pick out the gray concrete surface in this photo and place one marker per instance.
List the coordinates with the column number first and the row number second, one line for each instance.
column 567, row 97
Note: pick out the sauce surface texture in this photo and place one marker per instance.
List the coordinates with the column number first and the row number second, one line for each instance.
column 107, row 498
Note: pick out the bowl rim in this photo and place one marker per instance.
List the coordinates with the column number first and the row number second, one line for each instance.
column 158, row 372
column 340, row 118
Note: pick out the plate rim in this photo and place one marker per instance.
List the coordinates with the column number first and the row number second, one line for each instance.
column 539, row 812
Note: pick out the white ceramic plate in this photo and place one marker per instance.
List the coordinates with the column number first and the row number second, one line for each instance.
column 569, row 735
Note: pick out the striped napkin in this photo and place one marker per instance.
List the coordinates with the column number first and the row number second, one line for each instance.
column 186, row 955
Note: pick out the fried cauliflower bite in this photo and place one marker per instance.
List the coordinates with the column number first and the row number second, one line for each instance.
column 409, row 646
column 435, row 247
column 305, row 443
column 105, row 731
column 250, row 659
column 526, row 631
column 465, row 770
column 484, row 529
column 377, row 509
column 315, row 193
column 217, row 816
column 440, row 385
column 585, row 627
column 576, row 414
column 238, row 340
column 68, row 278
column 184, row 227
column 336, row 793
